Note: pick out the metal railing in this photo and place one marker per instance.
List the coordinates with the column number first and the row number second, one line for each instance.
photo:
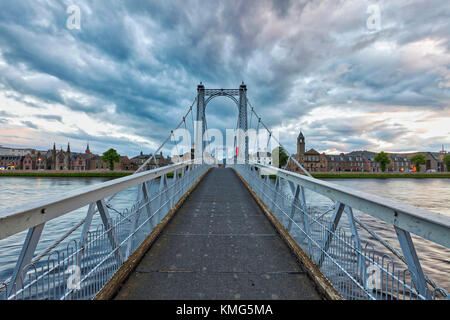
column 353, row 267
column 77, row 267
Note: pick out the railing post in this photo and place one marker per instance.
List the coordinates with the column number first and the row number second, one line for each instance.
column 334, row 221
column 266, row 186
column 275, row 193
column 144, row 196
column 84, row 233
column 147, row 192
column 412, row 260
column 174, row 188
column 361, row 261
column 299, row 199
column 295, row 202
column 112, row 236
column 163, row 196
column 28, row 248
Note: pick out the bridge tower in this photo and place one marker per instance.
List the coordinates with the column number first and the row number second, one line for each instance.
column 239, row 97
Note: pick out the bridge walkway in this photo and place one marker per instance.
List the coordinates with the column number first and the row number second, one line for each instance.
column 219, row 245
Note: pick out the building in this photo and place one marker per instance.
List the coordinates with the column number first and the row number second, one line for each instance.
column 8, row 162
column 441, row 156
column 157, row 161
column 5, row 151
column 311, row 160
column 361, row 161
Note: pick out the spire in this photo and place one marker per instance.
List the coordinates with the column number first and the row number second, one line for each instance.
column 54, row 146
column 300, row 135
column 87, row 148
column 68, row 147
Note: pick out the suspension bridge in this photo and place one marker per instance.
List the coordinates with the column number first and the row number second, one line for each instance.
column 194, row 230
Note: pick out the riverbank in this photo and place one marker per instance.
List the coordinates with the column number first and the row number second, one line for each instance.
column 66, row 174
column 356, row 175
column 323, row 175
column 69, row 174
column 378, row 175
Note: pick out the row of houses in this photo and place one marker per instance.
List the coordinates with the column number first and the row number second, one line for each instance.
column 361, row 161
column 60, row 160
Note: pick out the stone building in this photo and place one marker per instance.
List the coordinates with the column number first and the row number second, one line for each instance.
column 359, row 161
column 311, row 160
column 156, row 162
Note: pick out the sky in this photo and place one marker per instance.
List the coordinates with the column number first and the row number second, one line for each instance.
column 351, row 75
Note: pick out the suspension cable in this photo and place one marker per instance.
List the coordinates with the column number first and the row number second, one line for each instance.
column 363, row 225
column 279, row 143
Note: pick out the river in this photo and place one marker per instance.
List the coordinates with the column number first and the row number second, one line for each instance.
column 430, row 194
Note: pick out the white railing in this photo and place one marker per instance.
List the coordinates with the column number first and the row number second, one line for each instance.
column 77, row 267
column 355, row 269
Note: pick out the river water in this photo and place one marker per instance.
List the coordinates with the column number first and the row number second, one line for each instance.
column 430, row 194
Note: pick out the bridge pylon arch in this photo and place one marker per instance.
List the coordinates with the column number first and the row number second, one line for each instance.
column 239, row 96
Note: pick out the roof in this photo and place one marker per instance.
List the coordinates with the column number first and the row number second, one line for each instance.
column 11, row 158
column 337, row 158
column 312, row 151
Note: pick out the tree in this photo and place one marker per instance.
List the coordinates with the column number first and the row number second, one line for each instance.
column 110, row 157
column 383, row 159
column 417, row 160
column 446, row 160
column 282, row 157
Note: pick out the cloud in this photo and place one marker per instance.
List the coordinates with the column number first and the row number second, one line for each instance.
column 30, row 124
column 49, row 117
column 134, row 67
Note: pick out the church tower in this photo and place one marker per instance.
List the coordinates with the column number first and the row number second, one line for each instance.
column 87, row 149
column 300, row 144
column 53, row 165
column 67, row 158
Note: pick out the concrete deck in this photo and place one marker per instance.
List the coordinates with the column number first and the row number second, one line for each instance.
column 219, row 245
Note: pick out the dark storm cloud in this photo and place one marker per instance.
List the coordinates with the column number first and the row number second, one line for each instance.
column 137, row 63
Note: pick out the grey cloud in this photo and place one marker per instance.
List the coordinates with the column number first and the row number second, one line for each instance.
column 30, row 124
column 144, row 59
column 49, row 117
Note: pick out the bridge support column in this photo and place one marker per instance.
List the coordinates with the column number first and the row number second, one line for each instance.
column 243, row 125
column 338, row 209
column 412, row 260
column 200, row 128
column 29, row 246
column 110, row 229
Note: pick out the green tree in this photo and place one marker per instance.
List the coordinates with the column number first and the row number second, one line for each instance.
column 417, row 160
column 110, row 157
column 282, row 157
column 446, row 160
column 383, row 159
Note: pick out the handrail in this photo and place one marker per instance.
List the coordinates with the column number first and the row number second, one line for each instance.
column 424, row 223
column 23, row 217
